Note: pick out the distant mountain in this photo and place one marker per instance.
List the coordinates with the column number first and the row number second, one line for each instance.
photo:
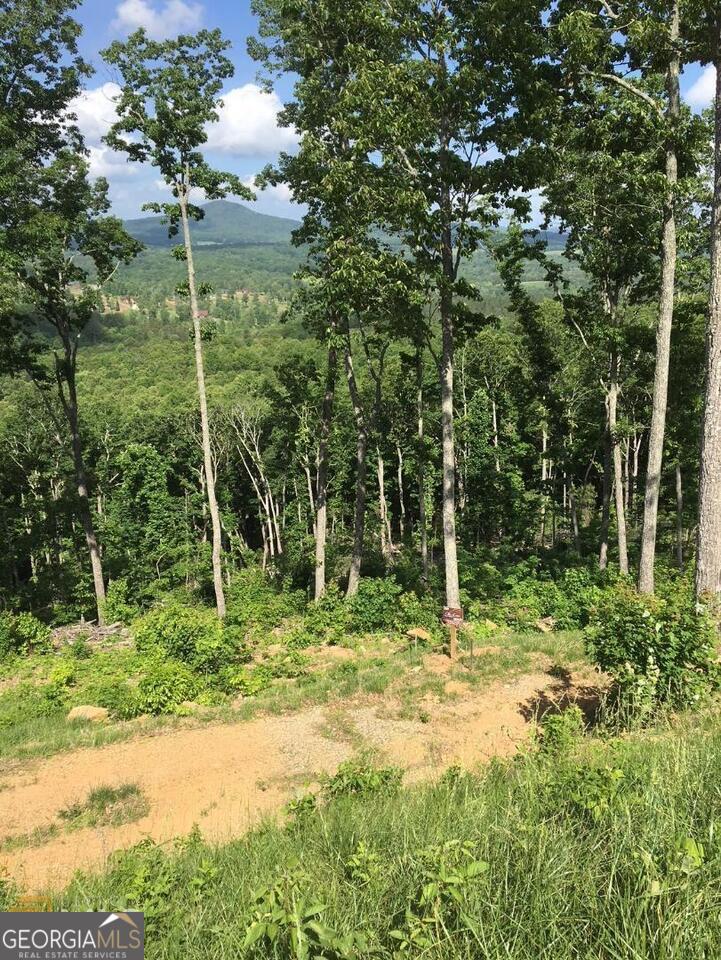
column 225, row 224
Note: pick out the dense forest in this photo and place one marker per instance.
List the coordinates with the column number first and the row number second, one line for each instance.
column 407, row 378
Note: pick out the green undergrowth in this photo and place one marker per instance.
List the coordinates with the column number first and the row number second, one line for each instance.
column 35, row 702
column 579, row 848
column 183, row 658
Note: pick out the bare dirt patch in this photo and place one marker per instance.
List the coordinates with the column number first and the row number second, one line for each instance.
column 225, row 778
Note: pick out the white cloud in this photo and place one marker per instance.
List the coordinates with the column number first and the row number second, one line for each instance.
column 174, row 17
column 105, row 162
column 279, row 193
column 95, row 110
column 702, row 92
column 248, row 123
column 197, row 194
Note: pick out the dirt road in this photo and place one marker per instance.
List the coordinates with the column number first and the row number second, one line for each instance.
column 225, row 778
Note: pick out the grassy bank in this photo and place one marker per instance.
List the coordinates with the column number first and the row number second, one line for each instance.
column 592, row 849
column 36, row 692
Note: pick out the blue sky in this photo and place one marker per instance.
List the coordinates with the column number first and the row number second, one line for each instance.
column 247, row 136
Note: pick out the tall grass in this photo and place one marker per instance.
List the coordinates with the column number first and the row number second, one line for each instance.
column 609, row 850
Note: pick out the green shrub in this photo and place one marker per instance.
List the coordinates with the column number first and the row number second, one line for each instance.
column 560, row 731
column 414, row 611
column 166, row 684
column 530, row 594
column 656, row 649
column 121, row 700
column 380, row 604
column 254, row 601
column 359, row 776
column 374, row 607
column 189, row 634
column 593, row 791
column 247, row 680
column 288, row 665
column 118, row 605
column 324, row 620
column 22, row 633
column 79, row 648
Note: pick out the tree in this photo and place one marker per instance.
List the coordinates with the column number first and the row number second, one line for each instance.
column 596, row 150
column 708, row 554
column 352, row 276
column 66, row 220
column 637, row 47
column 170, row 92
column 40, row 73
column 453, row 90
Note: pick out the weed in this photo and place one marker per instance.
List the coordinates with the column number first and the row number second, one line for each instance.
column 287, row 920
column 560, row 731
column 106, row 806
column 359, row 776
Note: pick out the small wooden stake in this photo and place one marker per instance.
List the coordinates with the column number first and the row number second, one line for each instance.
column 453, row 644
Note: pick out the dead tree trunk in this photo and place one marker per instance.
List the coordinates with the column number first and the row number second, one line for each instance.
column 605, row 500
column 386, row 533
column 401, row 494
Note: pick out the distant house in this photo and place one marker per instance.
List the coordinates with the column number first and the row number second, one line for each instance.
column 203, row 314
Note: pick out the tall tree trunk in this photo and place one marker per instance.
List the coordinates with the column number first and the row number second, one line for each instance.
column 204, row 424
column 464, row 447
column 544, row 481
column 494, row 415
column 627, row 477
column 708, row 554
column 70, row 406
column 605, row 500
column 384, row 513
column 361, row 472
column 321, row 496
column 633, row 482
column 617, row 464
column 86, row 517
column 422, row 522
column 665, row 322
column 450, row 552
column 401, row 494
column 574, row 517
column 679, row 516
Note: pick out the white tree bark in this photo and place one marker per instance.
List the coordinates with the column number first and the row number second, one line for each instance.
column 204, row 421
column 708, row 554
column 663, row 333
